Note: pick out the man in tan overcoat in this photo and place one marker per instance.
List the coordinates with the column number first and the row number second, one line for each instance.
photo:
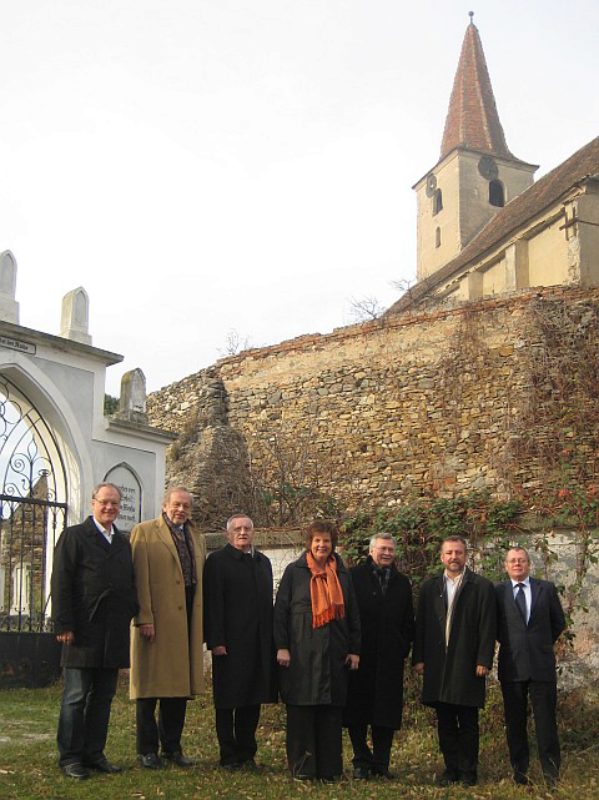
column 166, row 645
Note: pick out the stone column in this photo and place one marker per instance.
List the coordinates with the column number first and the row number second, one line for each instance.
column 132, row 403
column 74, row 320
column 9, row 308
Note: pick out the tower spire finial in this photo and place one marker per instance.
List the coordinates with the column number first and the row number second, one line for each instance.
column 471, row 15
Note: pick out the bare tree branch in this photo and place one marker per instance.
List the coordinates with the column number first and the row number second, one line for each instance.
column 365, row 308
column 234, row 343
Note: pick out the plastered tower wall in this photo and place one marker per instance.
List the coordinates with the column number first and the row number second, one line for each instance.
column 442, row 234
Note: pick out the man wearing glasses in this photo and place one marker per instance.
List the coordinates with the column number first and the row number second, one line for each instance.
column 93, row 601
column 530, row 619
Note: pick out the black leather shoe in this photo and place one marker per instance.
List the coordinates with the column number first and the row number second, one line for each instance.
column 250, row 765
column 469, row 779
column 104, row 765
column 231, row 766
column 150, row 761
column 382, row 772
column 521, row 778
column 360, row 773
column 179, row 759
column 448, row 777
column 76, row 771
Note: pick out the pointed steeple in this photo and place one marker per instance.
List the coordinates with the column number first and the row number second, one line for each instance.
column 472, row 119
column 476, row 175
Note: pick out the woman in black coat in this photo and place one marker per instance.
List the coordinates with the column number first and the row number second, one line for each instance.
column 375, row 695
column 317, row 636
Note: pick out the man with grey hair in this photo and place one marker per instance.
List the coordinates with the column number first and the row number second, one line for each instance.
column 238, row 621
column 167, row 665
column 375, row 694
column 93, row 600
column 530, row 620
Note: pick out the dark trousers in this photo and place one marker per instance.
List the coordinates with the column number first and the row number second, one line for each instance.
column 543, row 699
column 84, row 714
column 457, row 727
column 236, row 732
column 314, row 741
column 171, row 719
column 377, row 759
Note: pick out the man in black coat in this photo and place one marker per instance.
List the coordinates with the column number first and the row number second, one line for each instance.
column 530, row 619
column 93, row 601
column 453, row 651
column 375, row 695
column 238, row 594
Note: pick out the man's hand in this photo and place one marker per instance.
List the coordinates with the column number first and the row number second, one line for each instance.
column 481, row 671
column 352, row 661
column 67, row 637
column 219, row 650
column 419, row 668
column 283, row 657
column 148, row 632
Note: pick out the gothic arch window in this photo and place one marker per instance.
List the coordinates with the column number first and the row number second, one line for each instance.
column 496, row 194
column 437, row 237
column 437, row 202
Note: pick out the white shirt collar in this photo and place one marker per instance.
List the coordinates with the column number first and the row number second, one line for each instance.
column 107, row 533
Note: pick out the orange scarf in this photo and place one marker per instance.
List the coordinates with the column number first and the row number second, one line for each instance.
column 325, row 592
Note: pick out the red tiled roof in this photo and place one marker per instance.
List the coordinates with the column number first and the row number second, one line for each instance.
column 541, row 195
column 472, row 119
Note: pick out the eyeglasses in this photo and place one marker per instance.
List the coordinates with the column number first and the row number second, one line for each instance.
column 108, row 503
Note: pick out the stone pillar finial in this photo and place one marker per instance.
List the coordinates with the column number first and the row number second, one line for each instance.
column 132, row 403
column 74, row 319
column 9, row 308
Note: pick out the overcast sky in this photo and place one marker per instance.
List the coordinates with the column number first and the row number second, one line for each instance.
column 203, row 166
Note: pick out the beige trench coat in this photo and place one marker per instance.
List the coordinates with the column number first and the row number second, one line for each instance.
column 170, row 666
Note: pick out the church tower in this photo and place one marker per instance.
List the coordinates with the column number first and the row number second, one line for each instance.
column 476, row 174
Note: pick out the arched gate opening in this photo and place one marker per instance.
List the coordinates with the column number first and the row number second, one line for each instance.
column 33, row 513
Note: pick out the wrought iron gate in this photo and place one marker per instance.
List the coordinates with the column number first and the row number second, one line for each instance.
column 33, row 511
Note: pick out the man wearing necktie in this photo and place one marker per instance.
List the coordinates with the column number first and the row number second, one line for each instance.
column 375, row 692
column 166, row 648
column 93, row 601
column 530, row 619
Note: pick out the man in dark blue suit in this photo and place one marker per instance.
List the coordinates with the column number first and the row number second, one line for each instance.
column 530, row 619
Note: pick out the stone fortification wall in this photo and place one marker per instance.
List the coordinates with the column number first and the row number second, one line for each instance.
column 497, row 394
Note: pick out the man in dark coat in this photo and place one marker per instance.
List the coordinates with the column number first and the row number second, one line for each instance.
column 238, row 595
column 530, row 619
column 375, row 695
column 453, row 651
column 93, row 601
